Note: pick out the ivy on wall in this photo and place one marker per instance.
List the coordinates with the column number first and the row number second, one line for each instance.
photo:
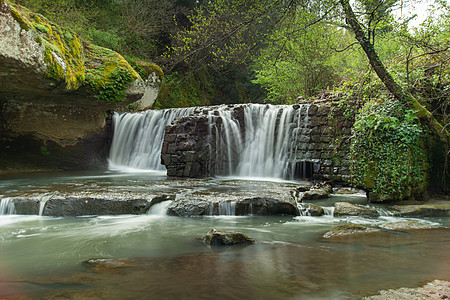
column 387, row 151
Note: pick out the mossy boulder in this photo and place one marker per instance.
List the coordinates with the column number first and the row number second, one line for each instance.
column 63, row 61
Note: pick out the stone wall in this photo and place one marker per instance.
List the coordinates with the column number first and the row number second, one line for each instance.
column 328, row 147
column 322, row 151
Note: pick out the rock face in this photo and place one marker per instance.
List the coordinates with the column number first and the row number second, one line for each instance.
column 342, row 209
column 50, row 117
column 224, row 238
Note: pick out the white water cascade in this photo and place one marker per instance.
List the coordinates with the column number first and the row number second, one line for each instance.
column 267, row 145
column 138, row 138
column 7, row 207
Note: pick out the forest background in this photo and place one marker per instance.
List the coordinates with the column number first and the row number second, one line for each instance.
column 216, row 52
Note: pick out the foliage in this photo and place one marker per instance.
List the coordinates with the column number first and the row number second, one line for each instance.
column 220, row 33
column 387, row 149
column 301, row 64
column 185, row 91
column 132, row 27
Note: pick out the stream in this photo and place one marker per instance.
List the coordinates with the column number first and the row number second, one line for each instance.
column 155, row 256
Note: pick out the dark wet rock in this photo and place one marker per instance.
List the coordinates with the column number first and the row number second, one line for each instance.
column 188, row 208
column 342, row 209
column 214, row 205
column 435, row 290
column 265, row 206
column 406, row 225
column 315, row 194
column 429, row 209
column 91, row 206
column 308, row 209
column 349, row 229
column 23, row 206
column 224, row 237
column 303, row 188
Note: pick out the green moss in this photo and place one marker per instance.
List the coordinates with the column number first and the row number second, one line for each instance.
column 24, row 24
column 73, row 64
column 108, row 74
column 63, row 52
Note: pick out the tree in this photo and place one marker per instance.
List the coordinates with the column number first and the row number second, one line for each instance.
column 403, row 96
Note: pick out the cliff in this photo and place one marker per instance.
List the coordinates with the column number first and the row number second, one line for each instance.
column 56, row 90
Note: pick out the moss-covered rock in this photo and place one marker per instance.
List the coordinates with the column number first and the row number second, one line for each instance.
column 63, row 48
column 68, row 62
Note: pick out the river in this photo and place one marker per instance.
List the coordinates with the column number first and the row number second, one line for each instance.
column 155, row 256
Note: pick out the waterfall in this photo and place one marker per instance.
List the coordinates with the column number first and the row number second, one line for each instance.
column 138, row 138
column 224, row 208
column 249, row 140
column 7, row 207
column 263, row 144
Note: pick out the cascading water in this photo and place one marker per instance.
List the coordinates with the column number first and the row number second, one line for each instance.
column 265, row 145
column 7, row 207
column 138, row 138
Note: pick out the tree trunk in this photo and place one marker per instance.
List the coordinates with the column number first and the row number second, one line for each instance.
column 405, row 97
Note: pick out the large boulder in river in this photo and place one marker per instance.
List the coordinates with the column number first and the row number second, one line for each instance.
column 224, row 238
column 343, row 209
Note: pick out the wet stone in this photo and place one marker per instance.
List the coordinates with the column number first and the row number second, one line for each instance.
column 223, row 238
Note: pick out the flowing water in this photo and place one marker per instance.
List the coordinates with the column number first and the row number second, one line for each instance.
column 138, row 138
column 154, row 256
column 263, row 142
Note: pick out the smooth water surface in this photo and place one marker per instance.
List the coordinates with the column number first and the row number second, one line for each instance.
column 160, row 257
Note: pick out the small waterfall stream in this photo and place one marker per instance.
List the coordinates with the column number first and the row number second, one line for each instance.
column 138, row 138
column 7, row 207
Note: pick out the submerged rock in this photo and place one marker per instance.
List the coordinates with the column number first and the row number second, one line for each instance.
column 406, row 225
column 349, row 229
column 109, row 264
column 224, row 237
column 342, row 209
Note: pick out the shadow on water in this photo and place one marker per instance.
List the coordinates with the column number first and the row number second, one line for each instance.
column 342, row 268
